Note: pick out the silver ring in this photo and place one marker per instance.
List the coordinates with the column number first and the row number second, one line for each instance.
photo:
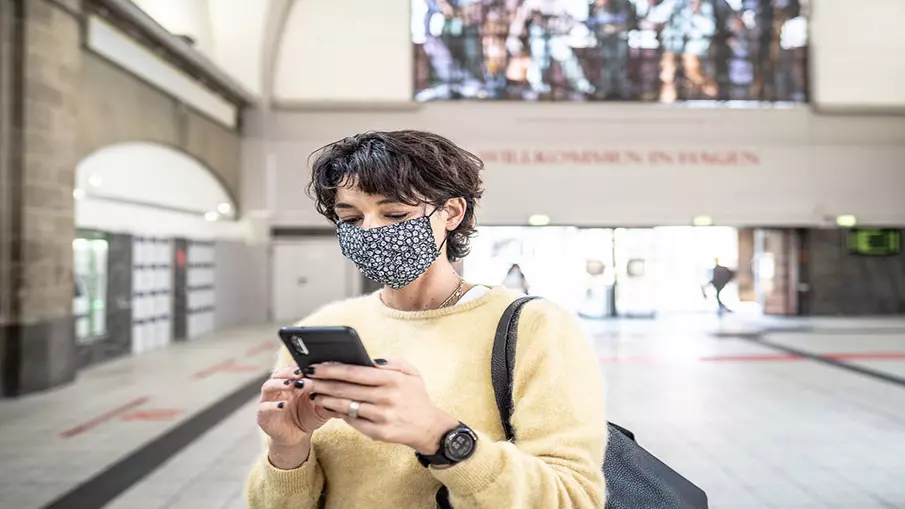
column 354, row 406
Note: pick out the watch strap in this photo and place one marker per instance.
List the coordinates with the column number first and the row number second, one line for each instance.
column 427, row 460
column 440, row 458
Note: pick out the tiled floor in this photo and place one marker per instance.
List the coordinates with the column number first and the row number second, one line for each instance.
column 754, row 426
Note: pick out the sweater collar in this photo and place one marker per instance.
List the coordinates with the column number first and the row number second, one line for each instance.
column 429, row 314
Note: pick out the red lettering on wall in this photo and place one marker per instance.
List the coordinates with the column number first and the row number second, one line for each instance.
column 615, row 157
column 688, row 158
column 489, row 156
column 660, row 158
column 606, row 157
column 720, row 158
column 634, row 157
column 751, row 157
column 550, row 157
column 574, row 156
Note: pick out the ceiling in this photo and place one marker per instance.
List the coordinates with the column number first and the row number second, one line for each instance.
column 241, row 37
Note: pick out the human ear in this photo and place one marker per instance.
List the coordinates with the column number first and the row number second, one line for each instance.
column 455, row 212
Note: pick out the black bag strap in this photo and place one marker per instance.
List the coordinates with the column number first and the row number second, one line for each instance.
column 502, row 362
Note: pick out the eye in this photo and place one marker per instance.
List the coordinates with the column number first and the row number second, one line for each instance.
column 350, row 220
column 396, row 217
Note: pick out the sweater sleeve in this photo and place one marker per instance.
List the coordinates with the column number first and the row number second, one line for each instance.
column 559, row 424
column 271, row 488
column 268, row 487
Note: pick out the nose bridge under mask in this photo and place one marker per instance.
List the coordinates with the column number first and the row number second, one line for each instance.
column 364, row 227
column 393, row 255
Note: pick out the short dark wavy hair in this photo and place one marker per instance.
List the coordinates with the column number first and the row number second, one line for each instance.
column 411, row 167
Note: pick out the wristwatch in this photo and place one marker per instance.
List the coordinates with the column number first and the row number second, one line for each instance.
column 457, row 445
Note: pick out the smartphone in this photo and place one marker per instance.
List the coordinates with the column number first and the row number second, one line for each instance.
column 314, row 345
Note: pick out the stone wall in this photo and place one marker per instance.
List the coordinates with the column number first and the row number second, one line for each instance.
column 59, row 102
column 840, row 283
column 42, row 41
column 10, row 68
column 49, row 159
column 116, row 107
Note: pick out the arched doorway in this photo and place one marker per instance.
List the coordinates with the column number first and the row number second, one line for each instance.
column 144, row 264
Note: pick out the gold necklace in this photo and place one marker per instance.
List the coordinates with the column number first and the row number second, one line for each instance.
column 452, row 299
column 455, row 296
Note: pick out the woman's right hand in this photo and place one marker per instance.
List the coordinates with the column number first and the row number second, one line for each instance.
column 286, row 413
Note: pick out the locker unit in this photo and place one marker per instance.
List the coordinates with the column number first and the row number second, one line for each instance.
column 199, row 288
column 152, row 293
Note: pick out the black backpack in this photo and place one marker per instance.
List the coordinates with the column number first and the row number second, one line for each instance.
column 722, row 276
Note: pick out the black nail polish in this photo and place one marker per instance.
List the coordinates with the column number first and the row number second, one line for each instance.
column 299, row 384
column 312, row 396
column 287, row 382
column 309, row 370
column 281, row 404
column 380, row 362
column 298, row 372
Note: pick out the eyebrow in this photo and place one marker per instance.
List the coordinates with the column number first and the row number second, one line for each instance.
column 343, row 205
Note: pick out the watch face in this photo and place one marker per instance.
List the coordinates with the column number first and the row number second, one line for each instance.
column 459, row 445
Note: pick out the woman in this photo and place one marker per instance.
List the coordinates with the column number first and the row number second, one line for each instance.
column 390, row 436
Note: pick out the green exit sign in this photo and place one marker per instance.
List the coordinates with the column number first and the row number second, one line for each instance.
column 875, row 242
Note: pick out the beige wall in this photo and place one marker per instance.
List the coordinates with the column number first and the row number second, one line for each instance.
column 346, row 50
column 791, row 167
column 864, row 71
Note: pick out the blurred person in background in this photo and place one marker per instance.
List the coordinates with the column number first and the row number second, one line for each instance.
column 610, row 21
column 342, row 436
column 548, row 23
column 719, row 277
column 515, row 280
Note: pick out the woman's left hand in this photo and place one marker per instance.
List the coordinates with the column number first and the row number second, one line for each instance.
column 394, row 404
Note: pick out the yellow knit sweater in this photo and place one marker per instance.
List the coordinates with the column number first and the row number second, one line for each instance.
column 559, row 419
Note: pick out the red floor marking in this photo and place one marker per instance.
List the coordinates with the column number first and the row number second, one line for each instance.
column 267, row 346
column 227, row 366
column 161, row 414
column 240, row 368
column 213, row 369
column 81, row 428
column 751, row 358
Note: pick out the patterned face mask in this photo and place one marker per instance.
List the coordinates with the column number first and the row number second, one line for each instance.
column 392, row 255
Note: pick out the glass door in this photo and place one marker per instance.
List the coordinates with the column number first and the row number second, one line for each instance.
column 635, row 286
column 89, row 303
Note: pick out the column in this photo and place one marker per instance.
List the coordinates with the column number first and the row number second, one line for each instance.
column 40, row 62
